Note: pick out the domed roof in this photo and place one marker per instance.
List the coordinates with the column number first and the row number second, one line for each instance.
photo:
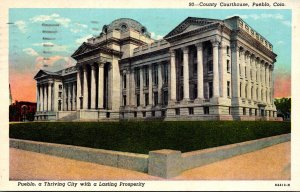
column 123, row 24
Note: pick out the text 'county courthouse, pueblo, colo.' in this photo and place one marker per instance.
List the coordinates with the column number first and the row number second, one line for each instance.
column 204, row 69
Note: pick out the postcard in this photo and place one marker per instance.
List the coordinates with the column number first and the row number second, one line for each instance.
column 149, row 95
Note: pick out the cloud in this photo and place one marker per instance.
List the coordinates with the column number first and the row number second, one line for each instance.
column 277, row 16
column 154, row 36
column 21, row 25
column 78, row 27
column 83, row 39
column 30, row 51
column 54, row 17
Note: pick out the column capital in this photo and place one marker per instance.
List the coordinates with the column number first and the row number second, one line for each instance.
column 172, row 52
column 185, row 50
column 84, row 68
column 215, row 42
column 93, row 67
column 199, row 45
column 101, row 64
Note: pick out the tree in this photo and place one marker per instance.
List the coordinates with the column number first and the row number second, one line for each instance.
column 283, row 106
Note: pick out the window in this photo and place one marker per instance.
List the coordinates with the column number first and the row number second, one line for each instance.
column 228, row 88
column 124, row 81
column 135, row 114
column 137, row 99
column 244, row 111
column 177, row 111
column 251, row 92
column 195, row 63
column 209, row 51
column 165, row 73
column 155, row 95
column 206, row 110
column 59, row 94
column 165, row 98
column 250, row 112
column 240, row 70
column 257, row 94
column 195, row 91
column 108, row 115
column 181, row 93
column 163, row 113
column 228, row 66
column 255, row 111
column 181, row 70
column 229, row 110
column 155, row 74
column 246, row 92
column 146, row 99
column 191, row 110
column 59, row 105
column 146, row 77
column 210, row 66
column 144, row 114
column 60, row 87
column 240, row 89
column 137, row 77
column 153, row 113
column 124, row 100
column 210, row 89
column 245, row 72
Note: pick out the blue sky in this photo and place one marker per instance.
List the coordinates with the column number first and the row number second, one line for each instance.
column 26, row 50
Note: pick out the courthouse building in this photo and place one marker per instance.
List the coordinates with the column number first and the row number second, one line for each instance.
column 203, row 69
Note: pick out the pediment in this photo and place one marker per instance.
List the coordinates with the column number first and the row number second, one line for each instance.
column 43, row 73
column 190, row 24
column 84, row 48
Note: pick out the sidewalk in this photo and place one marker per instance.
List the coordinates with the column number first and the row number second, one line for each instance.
column 269, row 163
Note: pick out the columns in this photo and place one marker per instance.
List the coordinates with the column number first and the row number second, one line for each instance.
column 159, row 85
column 44, row 99
column 258, row 80
column 150, row 86
column 37, row 98
column 100, row 86
column 186, row 90
column 85, row 88
column 41, row 98
column 49, row 96
column 69, row 96
column 215, row 45
column 127, row 87
column 78, row 89
column 93, row 87
column 74, row 96
column 235, row 78
column 131, row 91
column 142, row 100
column 200, row 71
column 173, row 76
column 55, row 96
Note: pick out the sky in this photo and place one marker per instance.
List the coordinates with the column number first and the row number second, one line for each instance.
column 27, row 53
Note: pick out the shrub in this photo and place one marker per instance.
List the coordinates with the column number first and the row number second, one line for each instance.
column 142, row 137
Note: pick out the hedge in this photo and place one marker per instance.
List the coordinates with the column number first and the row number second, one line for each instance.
column 142, row 137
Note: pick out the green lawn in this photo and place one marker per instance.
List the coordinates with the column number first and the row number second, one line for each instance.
column 142, row 137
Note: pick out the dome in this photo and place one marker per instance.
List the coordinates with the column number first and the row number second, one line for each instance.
column 123, row 24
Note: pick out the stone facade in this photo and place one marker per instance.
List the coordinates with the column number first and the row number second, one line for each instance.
column 204, row 69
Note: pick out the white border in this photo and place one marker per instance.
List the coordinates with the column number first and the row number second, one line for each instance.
column 6, row 185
